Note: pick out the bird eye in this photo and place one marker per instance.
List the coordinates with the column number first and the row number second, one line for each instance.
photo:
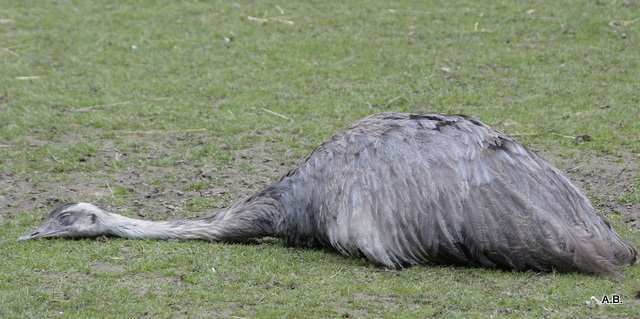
column 65, row 219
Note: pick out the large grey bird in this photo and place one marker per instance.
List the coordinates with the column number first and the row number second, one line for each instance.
column 399, row 190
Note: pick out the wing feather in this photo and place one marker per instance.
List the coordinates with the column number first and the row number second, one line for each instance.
column 405, row 189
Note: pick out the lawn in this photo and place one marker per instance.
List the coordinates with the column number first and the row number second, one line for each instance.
column 165, row 109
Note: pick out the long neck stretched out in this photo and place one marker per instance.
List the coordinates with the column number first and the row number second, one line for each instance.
column 255, row 217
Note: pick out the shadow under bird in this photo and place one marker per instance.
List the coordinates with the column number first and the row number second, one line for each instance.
column 400, row 190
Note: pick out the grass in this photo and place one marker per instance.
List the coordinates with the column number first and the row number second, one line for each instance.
column 166, row 109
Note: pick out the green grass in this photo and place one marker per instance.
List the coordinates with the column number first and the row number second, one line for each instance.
column 632, row 195
column 144, row 105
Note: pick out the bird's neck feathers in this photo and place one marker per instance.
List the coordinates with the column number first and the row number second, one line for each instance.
column 252, row 218
column 132, row 228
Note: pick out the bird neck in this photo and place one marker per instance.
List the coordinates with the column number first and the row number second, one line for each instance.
column 252, row 218
column 133, row 228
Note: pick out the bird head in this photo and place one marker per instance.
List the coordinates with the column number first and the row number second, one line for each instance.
column 71, row 220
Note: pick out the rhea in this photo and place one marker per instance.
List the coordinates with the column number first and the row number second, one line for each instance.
column 400, row 190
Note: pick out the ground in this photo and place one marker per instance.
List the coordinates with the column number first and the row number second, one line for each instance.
column 159, row 109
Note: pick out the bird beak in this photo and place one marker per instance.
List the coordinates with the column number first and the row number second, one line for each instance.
column 40, row 232
column 29, row 236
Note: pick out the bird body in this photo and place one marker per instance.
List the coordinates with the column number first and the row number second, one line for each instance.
column 405, row 189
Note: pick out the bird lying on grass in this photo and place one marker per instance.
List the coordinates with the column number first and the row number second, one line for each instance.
column 400, row 190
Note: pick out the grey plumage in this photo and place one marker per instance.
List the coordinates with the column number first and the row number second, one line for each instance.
column 407, row 189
